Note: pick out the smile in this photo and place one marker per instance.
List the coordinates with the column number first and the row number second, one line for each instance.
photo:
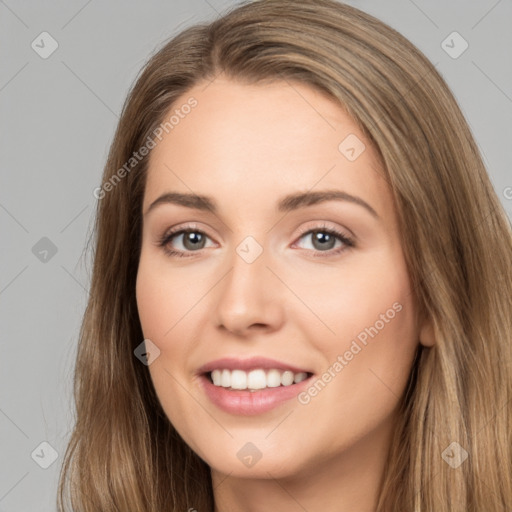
column 255, row 379
column 251, row 386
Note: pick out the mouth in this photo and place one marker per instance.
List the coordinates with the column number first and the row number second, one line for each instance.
column 255, row 380
column 252, row 386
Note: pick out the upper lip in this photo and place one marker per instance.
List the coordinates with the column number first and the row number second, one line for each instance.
column 251, row 363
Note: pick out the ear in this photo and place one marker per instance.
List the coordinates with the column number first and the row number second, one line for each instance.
column 426, row 336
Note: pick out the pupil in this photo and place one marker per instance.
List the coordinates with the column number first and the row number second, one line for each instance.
column 193, row 238
column 322, row 237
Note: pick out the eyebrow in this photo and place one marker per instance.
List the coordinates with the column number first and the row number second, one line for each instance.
column 285, row 204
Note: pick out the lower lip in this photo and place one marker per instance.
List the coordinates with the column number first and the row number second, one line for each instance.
column 249, row 403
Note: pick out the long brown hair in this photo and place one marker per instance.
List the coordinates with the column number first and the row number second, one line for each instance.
column 124, row 454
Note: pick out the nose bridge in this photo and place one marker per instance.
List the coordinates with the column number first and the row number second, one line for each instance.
column 248, row 295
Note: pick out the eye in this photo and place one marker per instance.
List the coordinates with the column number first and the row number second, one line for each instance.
column 191, row 239
column 323, row 240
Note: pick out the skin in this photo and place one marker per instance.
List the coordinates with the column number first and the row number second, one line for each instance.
column 246, row 146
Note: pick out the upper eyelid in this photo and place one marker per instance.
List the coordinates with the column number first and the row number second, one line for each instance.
column 325, row 226
column 303, row 231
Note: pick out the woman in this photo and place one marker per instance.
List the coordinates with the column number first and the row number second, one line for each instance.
column 341, row 340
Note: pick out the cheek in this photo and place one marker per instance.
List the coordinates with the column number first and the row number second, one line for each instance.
column 162, row 298
column 153, row 307
column 162, row 305
column 368, row 327
column 368, row 358
column 371, row 291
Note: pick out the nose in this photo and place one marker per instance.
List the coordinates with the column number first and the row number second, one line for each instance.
column 250, row 297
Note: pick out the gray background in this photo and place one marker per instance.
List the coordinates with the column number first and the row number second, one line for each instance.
column 58, row 116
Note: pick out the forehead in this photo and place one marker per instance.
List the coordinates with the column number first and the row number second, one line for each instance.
column 261, row 140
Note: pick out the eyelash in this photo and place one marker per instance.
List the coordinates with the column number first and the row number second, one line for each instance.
column 168, row 236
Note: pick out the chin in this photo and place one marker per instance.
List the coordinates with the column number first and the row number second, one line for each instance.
column 260, row 459
column 265, row 468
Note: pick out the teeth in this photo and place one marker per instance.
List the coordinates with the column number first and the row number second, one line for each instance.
column 256, row 379
column 299, row 377
column 225, row 379
column 273, row 378
column 287, row 378
column 238, row 379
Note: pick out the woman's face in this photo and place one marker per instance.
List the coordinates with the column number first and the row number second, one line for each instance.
column 291, row 281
